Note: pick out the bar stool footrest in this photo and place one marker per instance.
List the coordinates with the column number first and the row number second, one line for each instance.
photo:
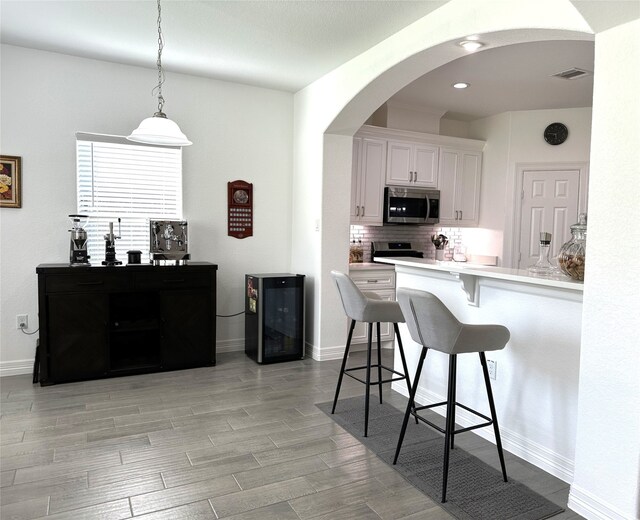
column 415, row 411
column 400, row 375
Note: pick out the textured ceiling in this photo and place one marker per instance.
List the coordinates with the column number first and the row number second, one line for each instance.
column 288, row 44
column 277, row 44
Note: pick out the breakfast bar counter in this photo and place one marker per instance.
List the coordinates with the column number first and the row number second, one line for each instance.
column 535, row 377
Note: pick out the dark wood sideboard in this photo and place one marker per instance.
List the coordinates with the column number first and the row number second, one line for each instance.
column 106, row 321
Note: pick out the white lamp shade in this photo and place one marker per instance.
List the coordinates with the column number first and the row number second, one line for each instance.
column 159, row 131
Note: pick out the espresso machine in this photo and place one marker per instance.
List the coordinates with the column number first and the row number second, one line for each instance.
column 78, row 255
column 110, row 246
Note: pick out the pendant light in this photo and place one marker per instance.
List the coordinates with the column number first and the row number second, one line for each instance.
column 159, row 129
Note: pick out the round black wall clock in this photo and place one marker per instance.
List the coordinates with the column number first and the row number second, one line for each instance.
column 556, row 133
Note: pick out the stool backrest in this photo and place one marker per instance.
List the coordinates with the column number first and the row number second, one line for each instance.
column 352, row 298
column 430, row 322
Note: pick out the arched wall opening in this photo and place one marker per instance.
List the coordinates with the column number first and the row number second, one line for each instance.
column 328, row 113
column 337, row 156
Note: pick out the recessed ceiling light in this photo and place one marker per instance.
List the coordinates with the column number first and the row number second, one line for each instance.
column 471, row 45
column 460, row 85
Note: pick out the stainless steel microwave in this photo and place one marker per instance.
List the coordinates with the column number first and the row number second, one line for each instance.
column 411, row 205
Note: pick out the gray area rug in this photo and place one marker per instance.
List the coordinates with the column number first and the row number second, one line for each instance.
column 475, row 490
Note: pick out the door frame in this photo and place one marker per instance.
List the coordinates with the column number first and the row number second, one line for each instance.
column 512, row 243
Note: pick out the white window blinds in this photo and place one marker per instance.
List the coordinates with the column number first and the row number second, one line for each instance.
column 116, row 178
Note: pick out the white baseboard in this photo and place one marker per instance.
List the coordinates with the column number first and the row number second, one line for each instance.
column 326, row 353
column 592, row 507
column 513, row 442
column 16, row 368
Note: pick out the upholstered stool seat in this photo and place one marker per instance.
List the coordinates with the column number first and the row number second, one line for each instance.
column 432, row 325
column 368, row 308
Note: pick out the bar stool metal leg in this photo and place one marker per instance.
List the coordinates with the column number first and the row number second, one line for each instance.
column 492, row 407
column 367, row 391
column 344, row 364
column 449, row 427
column 410, row 404
column 402, row 358
column 379, row 362
column 453, row 383
column 404, row 361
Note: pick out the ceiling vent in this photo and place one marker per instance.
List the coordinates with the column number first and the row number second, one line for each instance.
column 573, row 73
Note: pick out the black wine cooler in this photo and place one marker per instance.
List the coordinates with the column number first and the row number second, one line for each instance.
column 274, row 317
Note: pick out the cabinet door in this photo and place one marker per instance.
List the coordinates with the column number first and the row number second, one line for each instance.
column 399, row 164
column 77, row 336
column 374, row 157
column 447, row 171
column 186, row 328
column 425, row 166
column 468, row 190
column 356, row 175
column 459, row 175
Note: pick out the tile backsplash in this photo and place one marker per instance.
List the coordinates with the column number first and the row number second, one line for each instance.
column 419, row 236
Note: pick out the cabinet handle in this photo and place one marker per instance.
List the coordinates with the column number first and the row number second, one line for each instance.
column 357, row 211
column 460, row 214
column 372, row 281
column 362, row 212
column 91, row 283
column 456, row 214
column 415, row 176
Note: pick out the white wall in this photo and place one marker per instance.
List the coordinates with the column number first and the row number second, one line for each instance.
column 606, row 483
column 239, row 132
column 514, row 138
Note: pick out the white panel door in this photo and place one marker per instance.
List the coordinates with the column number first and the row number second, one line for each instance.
column 549, row 203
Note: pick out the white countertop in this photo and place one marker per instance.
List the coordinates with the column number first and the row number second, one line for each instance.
column 501, row 273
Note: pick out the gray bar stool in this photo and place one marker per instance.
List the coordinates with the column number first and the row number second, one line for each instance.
column 432, row 325
column 370, row 309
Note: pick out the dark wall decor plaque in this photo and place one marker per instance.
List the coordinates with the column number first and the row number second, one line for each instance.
column 240, row 209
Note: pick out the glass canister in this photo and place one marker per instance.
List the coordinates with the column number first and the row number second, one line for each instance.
column 356, row 252
column 571, row 258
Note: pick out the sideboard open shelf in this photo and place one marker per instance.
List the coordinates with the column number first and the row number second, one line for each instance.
column 105, row 321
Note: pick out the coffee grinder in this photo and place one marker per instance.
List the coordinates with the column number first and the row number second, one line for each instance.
column 110, row 246
column 78, row 255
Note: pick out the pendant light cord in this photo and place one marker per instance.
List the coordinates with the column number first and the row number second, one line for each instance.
column 159, row 62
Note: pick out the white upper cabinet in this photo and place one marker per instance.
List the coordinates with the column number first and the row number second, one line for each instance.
column 459, row 177
column 386, row 156
column 412, row 164
column 367, row 181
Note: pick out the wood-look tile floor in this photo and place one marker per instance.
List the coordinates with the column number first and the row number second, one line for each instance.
column 238, row 441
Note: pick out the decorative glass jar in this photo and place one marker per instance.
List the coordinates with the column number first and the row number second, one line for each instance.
column 571, row 258
column 356, row 252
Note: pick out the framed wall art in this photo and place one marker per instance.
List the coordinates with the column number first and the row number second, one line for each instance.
column 10, row 181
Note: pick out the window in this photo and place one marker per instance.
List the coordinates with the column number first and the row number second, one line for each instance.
column 136, row 182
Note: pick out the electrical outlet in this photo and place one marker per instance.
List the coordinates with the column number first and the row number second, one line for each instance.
column 492, row 366
column 22, row 321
